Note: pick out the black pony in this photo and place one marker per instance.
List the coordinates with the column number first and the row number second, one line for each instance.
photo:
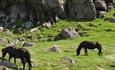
column 21, row 53
column 89, row 45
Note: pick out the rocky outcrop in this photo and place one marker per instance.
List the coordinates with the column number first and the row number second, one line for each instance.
column 81, row 9
column 100, row 5
column 46, row 11
column 38, row 10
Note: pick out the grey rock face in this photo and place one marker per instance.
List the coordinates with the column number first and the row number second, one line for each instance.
column 100, row 5
column 48, row 10
column 82, row 9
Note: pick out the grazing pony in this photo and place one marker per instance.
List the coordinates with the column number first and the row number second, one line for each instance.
column 89, row 45
column 21, row 53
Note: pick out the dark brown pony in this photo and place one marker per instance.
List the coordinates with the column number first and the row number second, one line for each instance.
column 21, row 53
column 89, row 45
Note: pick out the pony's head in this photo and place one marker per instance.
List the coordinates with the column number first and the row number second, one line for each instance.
column 99, row 47
column 78, row 52
column 4, row 52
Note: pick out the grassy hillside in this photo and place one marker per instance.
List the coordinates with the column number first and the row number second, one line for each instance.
column 43, row 60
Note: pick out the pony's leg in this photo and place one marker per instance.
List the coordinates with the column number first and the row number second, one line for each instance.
column 100, row 53
column 29, row 64
column 15, row 60
column 23, row 65
column 86, row 51
column 9, row 58
column 22, row 60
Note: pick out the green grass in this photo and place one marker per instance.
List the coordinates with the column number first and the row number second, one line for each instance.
column 43, row 60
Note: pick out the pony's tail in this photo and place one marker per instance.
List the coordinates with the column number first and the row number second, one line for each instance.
column 28, row 58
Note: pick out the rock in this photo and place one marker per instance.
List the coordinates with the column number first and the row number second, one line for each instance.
column 67, row 58
column 110, row 6
column 101, row 14
column 19, row 30
column 33, row 30
column 2, row 15
column 47, row 24
column 20, row 39
column 67, row 33
column 27, row 44
column 81, row 9
column 113, row 45
column 2, row 40
column 100, row 5
column 1, row 29
column 112, row 19
column 111, row 57
column 28, row 25
column 9, row 33
column 8, row 64
column 99, row 68
column 45, row 11
column 54, row 48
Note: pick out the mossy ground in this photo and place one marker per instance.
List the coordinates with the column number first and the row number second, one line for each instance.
column 43, row 60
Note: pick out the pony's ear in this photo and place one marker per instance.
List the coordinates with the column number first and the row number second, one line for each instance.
column 3, row 49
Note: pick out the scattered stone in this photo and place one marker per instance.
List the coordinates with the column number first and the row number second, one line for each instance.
column 67, row 58
column 28, row 25
column 67, row 33
column 112, row 19
column 111, row 57
column 101, row 14
column 1, row 29
column 33, row 30
column 2, row 40
column 20, row 30
column 54, row 48
column 21, row 39
column 113, row 45
column 27, row 44
column 99, row 68
column 47, row 24
column 9, row 33
column 8, row 64
column 110, row 6
column 10, row 43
